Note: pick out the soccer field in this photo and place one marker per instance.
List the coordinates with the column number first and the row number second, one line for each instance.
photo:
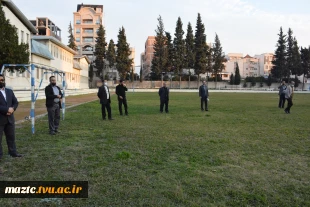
column 244, row 151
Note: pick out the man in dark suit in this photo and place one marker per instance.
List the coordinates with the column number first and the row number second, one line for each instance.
column 164, row 98
column 53, row 104
column 105, row 100
column 204, row 94
column 120, row 91
column 8, row 104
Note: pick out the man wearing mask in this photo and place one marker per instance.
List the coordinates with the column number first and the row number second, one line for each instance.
column 105, row 100
column 164, row 98
column 204, row 94
column 8, row 105
column 53, row 104
column 121, row 95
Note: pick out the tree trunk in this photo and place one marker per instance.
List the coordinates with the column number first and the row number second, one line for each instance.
column 180, row 83
column 303, row 82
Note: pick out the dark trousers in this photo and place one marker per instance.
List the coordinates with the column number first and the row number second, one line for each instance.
column 289, row 104
column 53, row 114
column 205, row 100
column 120, row 107
column 281, row 100
column 162, row 103
column 108, row 107
column 9, row 131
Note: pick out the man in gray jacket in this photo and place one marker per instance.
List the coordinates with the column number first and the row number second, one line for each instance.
column 289, row 97
column 204, row 94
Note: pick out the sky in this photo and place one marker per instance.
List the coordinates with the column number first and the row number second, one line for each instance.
column 243, row 26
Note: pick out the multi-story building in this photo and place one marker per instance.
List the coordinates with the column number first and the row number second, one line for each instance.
column 87, row 20
column 147, row 56
column 265, row 63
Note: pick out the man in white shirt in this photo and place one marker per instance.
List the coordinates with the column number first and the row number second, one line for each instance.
column 105, row 100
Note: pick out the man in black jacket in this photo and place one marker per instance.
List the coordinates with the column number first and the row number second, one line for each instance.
column 164, row 98
column 204, row 94
column 121, row 95
column 105, row 100
column 8, row 105
column 53, row 104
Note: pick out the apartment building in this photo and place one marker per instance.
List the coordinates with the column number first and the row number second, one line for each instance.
column 87, row 20
column 147, row 56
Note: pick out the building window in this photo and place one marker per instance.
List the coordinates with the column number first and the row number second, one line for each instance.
column 89, row 31
column 22, row 36
column 87, row 21
column 77, row 39
column 77, row 30
column 78, row 22
column 88, row 39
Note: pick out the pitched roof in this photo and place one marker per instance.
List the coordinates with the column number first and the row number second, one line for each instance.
column 248, row 56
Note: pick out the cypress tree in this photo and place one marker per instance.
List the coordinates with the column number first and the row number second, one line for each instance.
column 71, row 42
column 111, row 54
column 200, row 48
column 159, row 61
column 297, row 68
column 189, row 48
column 232, row 79
column 289, row 54
column 100, row 52
column 279, row 63
column 269, row 80
column 170, row 53
column 237, row 75
column 123, row 61
column 179, row 48
column 218, row 58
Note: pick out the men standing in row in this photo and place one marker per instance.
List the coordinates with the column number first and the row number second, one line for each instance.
column 121, row 95
column 105, row 100
column 164, row 98
column 53, row 104
column 282, row 91
column 289, row 97
column 8, row 105
column 204, row 94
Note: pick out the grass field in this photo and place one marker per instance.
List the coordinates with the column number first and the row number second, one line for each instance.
column 244, row 152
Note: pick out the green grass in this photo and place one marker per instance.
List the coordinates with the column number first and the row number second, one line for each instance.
column 244, row 152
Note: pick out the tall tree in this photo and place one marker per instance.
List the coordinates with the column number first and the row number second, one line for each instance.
column 123, row 60
column 189, row 48
column 297, row 68
column 218, row 58
column 279, row 69
column 100, row 52
column 159, row 61
column 200, row 48
column 71, row 42
column 305, row 63
column 237, row 75
column 232, row 79
column 289, row 54
column 209, row 60
column 111, row 54
column 11, row 52
column 269, row 80
column 140, row 73
column 170, row 54
column 179, row 48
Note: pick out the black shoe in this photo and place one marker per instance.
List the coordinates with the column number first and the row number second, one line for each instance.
column 15, row 155
column 207, row 109
column 52, row 133
column 285, row 111
column 111, row 119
